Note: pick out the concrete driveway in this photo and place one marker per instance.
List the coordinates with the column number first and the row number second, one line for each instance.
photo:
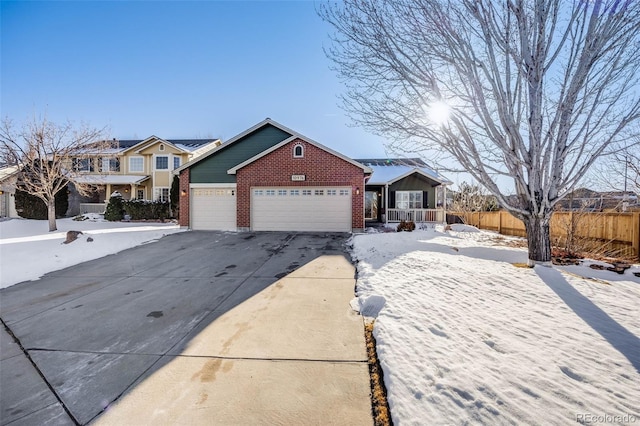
column 96, row 335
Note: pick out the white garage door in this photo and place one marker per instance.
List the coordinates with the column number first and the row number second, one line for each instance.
column 213, row 209
column 301, row 209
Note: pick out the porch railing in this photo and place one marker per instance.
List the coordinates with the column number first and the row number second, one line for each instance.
column 415, row 215
column 92, row 208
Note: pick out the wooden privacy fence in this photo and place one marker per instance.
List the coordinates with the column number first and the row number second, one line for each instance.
column 612, row 234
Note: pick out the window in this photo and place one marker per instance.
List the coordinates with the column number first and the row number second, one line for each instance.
column 319, row 192
column 176, row 162
column 136, row 164
column 282, row 192
column 295, row 192
column 408, row 199
column 161, row 194
column 270, row 192
column 298, row 151
column 161, row 147
column 331, row 192
column 344, row 192
column 110, row 164
column 140, row 194
column 306, row 192
column 258, row 192
column 162, row 163
column 82, row 164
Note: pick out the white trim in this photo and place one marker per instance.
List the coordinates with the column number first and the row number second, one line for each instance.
column 212, row 185
column 295, row 147
column 129, row 164
column 416, row 170
column 233, row 170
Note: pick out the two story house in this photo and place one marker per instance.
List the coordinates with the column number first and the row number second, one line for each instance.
column 137, row 169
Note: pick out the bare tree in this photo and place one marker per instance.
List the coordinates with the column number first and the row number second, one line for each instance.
column 46, row 153
column 537, row 89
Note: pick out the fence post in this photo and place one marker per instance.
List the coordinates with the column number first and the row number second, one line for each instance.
column 636, row 234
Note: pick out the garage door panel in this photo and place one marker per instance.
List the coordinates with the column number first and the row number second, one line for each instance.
column 301, row 209
column 213, row 209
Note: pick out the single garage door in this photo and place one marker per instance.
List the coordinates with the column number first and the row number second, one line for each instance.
column 301, row 209
column 213, row 209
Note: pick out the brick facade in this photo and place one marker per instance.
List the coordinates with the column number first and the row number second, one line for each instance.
column 320, row 168
column 183, row 219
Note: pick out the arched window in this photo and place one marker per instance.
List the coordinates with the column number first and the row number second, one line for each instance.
column 298, row 151
column 161, row 147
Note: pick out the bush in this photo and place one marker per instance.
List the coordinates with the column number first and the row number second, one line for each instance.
column 143, row 209
column 174, row 196
column 406, row 226
column 31, row 207
column 115, row 208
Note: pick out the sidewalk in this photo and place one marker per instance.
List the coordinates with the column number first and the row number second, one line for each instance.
column 292, row 354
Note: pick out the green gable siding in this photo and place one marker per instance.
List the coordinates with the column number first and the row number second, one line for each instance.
column 416, row 182
column 214, row 168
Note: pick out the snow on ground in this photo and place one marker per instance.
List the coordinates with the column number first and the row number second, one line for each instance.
column 465, row 337
column 28, row 250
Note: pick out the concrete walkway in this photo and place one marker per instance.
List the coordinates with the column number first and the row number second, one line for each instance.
column 293, row 353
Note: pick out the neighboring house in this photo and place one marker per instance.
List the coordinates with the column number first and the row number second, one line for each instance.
column 8, row 180
column 271, row 178
column 587, row 200
column 403, row 189
column 137, row 169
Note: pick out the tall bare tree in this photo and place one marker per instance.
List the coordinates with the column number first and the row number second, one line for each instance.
column 537, row 89
column 46, row 153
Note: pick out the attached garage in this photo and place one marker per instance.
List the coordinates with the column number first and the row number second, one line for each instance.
column 271, row 178
column 213, row 208
column 312, row 208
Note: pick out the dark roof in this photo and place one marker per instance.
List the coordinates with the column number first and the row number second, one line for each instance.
column 190, row 143
column 412, row 162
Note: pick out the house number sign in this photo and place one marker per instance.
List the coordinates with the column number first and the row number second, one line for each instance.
column 298, row 178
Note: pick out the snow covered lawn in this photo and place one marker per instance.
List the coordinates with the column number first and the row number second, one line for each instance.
column 465, row 337
column 28, row 250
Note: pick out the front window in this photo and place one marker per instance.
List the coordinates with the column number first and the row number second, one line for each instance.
column 136, row 164
column 162, row 163
column 408, row 199
column 82, row 165
column 161, row 194
column 110, row 164
column 176, row 162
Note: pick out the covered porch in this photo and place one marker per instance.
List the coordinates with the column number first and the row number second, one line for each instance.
column 129, row 186
column 404, row 190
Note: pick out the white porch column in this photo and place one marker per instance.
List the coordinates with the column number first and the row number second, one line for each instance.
column 444, row 204
column 386, row 204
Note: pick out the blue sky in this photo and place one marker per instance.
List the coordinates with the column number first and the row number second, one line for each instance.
column 175, row 69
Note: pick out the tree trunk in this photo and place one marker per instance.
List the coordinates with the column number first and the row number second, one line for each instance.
column 51, row 214
column 538, row 239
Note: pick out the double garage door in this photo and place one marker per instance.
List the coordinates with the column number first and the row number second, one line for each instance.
column 324, row 209
column 301, row 209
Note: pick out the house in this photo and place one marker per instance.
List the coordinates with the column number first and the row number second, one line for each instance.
column 8, row 180
column 587, row 200
column 137, row 169
column 271, row 178
column 404, row 189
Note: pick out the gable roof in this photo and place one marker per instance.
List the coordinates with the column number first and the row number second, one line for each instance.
column 263, row 123
column 233, row 140
column 389, row 170
column 187, row 145
column 233, row 170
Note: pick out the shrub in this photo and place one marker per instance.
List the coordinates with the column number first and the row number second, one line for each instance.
column 143, row 209
column 31, row 207
column 406, row 226
column 115, row 208
column 174, row 196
